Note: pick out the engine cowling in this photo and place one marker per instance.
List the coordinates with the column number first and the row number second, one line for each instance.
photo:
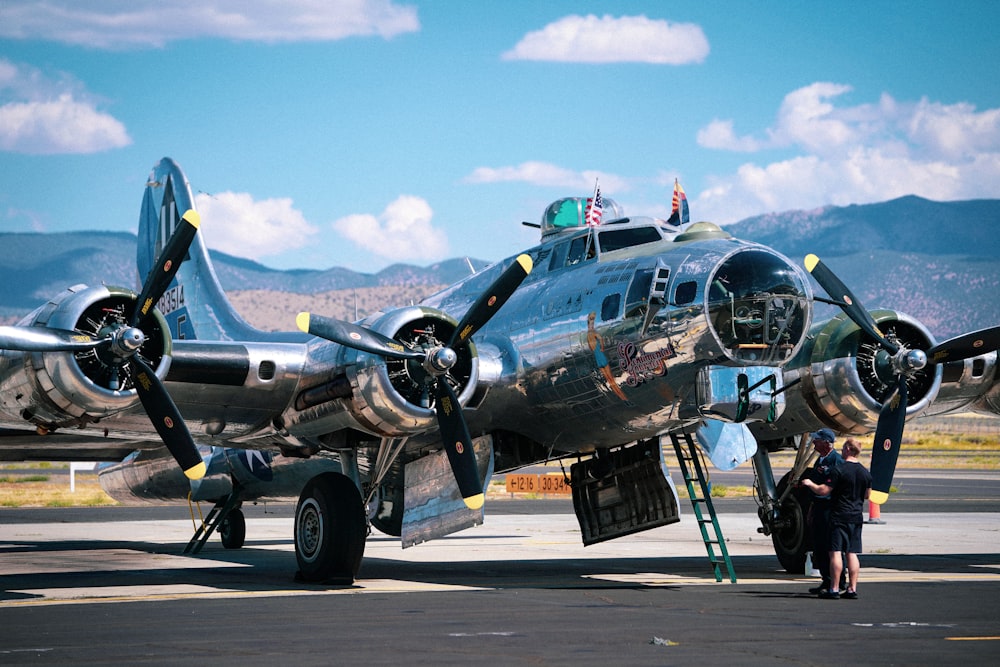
column 388, row 397
column 845, row 375
column 64, row 389
column 392, row 396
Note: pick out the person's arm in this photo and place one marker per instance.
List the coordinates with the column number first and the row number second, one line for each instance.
column 818, row 489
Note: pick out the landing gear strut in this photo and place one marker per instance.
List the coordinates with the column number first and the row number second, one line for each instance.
column 783, row 509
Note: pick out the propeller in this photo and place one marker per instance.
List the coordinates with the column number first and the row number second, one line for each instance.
column 437, row 361
column 44, row 339
column 122, row 345
column 903, row 363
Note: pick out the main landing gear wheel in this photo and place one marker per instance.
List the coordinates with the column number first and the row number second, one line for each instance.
column 233, row 530
column 330, row 530
column 790, row 535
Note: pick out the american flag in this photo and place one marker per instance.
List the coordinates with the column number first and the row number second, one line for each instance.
column 595, row 208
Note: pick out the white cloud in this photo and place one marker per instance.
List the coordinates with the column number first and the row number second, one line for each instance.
column 720, row 134
column 854, row 155
column 403, row 232
column 43, row 117
column 589, row 39
column 123, row 24
column 235, row 223
column 545, row 174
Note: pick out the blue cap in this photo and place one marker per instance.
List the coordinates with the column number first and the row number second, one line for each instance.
column 824, row 434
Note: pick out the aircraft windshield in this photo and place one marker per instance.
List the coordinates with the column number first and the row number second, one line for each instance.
column 757, row 303
column 616, row 239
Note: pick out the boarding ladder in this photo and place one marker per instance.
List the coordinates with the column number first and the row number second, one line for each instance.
column 701, row 501
column 214, row 519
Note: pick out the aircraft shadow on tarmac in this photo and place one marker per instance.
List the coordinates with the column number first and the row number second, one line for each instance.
column 257, row 568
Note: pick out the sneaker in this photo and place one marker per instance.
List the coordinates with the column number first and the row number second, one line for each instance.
column 829, row 595
column 816, row 590
column 850, row 595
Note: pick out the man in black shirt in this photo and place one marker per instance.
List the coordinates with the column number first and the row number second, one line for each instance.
column 849, row 488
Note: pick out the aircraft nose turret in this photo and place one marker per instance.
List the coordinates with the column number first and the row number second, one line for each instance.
column 758, row 305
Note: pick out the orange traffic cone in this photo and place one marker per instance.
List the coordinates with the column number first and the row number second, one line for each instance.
column 874, row 513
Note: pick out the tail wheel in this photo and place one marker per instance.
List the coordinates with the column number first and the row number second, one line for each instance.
column 233, row 530
column 330, row 530
column 790, row 535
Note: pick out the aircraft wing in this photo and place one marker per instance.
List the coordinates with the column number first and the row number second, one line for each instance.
column 23, row 445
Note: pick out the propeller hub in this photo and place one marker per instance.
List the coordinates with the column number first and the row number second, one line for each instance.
column 912, row 360
column 127, row 341
column 441, row 360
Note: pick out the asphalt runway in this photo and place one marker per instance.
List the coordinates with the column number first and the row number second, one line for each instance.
column 92, row 586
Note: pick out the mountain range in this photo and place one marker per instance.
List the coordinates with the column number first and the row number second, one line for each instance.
column 936, row 261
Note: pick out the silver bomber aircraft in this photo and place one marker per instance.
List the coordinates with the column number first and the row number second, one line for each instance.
column 595, row 345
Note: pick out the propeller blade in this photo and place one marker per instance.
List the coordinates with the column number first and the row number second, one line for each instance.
column 885, row 446
column 354, row 336
column 167, row 265
column 166, row 419
column 967, row 345
column 490, row 301
column 458, row 444
column 837, row 290
column 44, row 339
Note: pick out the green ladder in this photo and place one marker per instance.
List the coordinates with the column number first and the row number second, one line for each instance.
column 698, row 492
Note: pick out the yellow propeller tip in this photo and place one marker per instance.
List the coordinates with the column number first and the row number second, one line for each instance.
column 878, row 497
column 525, row 261
column 475, row 502
column 302, row 322
column 193, row 218
column 196, row 472
column 811, row 262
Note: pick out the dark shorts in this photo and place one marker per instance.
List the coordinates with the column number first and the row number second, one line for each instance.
column 846, row 537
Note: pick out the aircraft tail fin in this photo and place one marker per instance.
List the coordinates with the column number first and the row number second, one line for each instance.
column 195, row 305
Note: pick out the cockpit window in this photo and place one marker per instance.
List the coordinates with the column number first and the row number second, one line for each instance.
column 616, row 239
column 580, row 248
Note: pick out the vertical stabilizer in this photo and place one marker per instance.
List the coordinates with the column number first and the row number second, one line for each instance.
column 194, row 305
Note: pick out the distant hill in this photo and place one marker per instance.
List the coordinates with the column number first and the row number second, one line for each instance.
column 937, row 261
column 35, row 266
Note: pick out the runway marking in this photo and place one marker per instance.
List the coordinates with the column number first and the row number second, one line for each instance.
column 882, row 576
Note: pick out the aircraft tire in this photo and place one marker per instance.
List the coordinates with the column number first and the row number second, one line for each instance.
column 233, row 530
column 791, row 540
column 330, row 530
column 388, row 517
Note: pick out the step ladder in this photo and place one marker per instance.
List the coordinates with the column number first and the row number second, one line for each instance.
column 701, row 501
column 214, row 519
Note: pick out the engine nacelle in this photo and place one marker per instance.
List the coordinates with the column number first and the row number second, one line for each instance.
column 64, row 389
column 385, row 397
column 844, row 377
column 390, row 396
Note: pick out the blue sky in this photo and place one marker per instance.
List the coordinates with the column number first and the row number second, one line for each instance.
column 360, row 133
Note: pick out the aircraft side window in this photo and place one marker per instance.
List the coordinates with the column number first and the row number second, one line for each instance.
column 558, row 256
column 611, row 307
column 685, row 293
column 578, row 250
column 638, row 293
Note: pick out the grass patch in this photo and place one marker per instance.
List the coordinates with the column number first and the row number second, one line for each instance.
column 26, row 492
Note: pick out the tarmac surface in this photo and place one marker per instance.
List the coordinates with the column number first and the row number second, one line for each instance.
column 92, row 586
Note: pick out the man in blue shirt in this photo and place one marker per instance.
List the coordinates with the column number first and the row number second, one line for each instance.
column 818, row 518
